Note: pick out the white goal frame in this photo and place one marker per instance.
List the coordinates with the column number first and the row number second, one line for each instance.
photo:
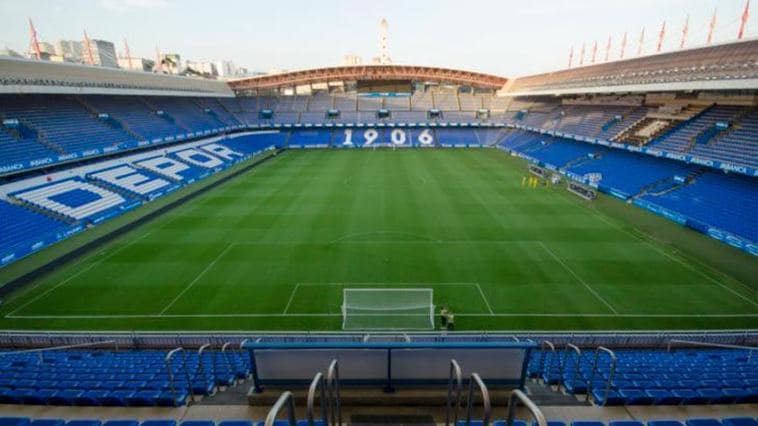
column 422, row 312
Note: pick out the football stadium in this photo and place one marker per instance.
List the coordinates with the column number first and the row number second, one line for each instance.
column 381, row 243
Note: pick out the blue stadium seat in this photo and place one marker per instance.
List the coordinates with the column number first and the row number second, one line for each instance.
column 587, row 423
column 703, row 422
column 15, row 421
column 740, row 421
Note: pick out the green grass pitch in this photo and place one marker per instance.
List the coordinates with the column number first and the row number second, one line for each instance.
column 272, row 249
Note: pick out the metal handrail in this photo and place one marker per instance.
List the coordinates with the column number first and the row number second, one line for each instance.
column 750, row 349
column 284, row 398
column 528, row 403
column 333, row 388
column 41, row 351
column 565, row 360
column 487, row 406
column 201, row 365
column 232, row 365
column 170, row 370
column 317, row 383
column 612, row 372
column 454, row 379
column 542, row 355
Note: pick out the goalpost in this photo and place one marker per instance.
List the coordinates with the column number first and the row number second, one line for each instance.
column 388, row 309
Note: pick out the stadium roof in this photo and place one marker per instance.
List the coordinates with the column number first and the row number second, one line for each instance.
column 369, row 72
column 28, row 76
column 726, row 66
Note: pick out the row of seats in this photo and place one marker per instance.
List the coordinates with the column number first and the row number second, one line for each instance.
column 734, row 145
column 19, row 223
column 643, row 377
column 25, row 421
column 48, row 129
column 92, row 125
column 106, row 378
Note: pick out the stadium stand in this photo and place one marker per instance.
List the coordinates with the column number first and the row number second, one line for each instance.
column 76, row 200
column 641, row 377
column 124, row 378
column 20, row 151
column 320, row 102
column 734, row 211
column 49, row 212
column 140, row 183
column 683, row 139
column 736, row 144
column 65, row 125
column 19, row 224
column 681, row 192
column 136, row 116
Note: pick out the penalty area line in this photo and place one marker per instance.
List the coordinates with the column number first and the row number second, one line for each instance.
column 292, row 297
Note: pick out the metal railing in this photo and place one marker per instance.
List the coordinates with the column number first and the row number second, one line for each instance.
column 41, row 351
column 201, row 367
column 611, row 373
column 542, row 357
column 475, row 380
column 750, row 349
column 577, row 365
column 333, row 389
column 194, row 339
column 284, row 398
column 528, row 403
column 231, row 364
column 454, row 386
column 170, row 371
column 317, row 384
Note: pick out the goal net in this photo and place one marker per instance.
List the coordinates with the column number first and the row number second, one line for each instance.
column 388, row 309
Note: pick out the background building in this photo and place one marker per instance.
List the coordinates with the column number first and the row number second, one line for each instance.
column 136, row 63
column 103, row 53
column 351, row 59
column 71, row 50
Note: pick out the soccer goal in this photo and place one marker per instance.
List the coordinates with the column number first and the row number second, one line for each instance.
column 388, row 309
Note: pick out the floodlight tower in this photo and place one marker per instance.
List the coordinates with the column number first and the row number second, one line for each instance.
column 384, row 31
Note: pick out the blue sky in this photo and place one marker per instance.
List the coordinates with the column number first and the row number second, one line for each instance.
column 505, row 37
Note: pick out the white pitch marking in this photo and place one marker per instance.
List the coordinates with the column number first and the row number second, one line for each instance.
column 360, row 234
column 486, row 302
column 675, row 259
column 81, row 271
column 197, row 278
column 571, row 271
column 292, row 296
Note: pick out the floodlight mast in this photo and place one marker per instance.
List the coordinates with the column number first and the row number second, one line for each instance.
column 384, row 50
